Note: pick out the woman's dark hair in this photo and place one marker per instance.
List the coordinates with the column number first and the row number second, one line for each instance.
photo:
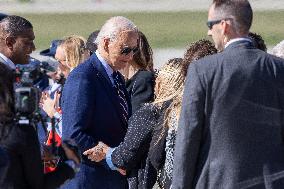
column 91, row 45
column 198, row 49
column 144, row 56
column 257, row 41
column 7, row 110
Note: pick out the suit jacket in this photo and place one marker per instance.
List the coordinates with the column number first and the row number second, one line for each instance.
column 4, row 162
column 141, row 88
column 4, row 62
column 25, row 170
column 230, row 131
column 91, row 113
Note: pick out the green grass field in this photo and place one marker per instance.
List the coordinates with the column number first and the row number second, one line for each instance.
column 163, row 29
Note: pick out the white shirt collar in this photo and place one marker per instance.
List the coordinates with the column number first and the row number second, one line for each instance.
column 54, row 87
column 106, row 66
column 8, row 62
column 237, row 39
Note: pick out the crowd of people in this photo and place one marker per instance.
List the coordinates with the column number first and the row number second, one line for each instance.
column 211, row 119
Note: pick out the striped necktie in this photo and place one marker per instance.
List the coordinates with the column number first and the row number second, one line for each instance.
column 121, row 96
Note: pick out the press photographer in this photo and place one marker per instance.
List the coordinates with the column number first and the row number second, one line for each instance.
column 19, row 138
column 20, row 141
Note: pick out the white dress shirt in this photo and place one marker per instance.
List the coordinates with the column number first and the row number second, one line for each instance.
column 7, row 62
column 237, row 39
column 106, row 66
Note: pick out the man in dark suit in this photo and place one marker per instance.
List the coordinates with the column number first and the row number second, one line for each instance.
column 95, row 103
column 230, row 133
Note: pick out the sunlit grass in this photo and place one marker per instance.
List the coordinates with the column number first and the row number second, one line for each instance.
column 163, row 29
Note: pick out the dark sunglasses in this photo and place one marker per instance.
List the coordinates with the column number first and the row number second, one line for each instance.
column 211, row 23
column 127, row 50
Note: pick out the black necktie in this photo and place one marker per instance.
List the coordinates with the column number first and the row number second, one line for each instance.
column 121, row 96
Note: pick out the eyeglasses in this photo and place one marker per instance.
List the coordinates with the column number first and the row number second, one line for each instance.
column 127, row 50
column 211, row 23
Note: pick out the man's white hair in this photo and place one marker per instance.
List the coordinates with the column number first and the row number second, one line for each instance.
column 113, row 27
column 278, row 50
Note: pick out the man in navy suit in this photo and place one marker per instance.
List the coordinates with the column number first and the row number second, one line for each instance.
column 92, row 107
column 231, row 127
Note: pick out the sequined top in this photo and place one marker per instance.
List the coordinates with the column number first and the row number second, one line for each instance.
column 132, row 153
column 165, row 174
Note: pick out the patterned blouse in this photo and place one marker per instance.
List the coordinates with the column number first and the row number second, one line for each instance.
column 165, row 174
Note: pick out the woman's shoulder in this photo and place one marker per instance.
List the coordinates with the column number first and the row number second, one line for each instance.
column 148, row 111
column 141, row 77
column 150, row 108
column 144, row 74
column 155, row 108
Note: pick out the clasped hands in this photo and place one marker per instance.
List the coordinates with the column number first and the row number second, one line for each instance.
column 98, row 153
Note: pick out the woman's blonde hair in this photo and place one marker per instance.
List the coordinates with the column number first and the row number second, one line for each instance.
column 173, row 76
column 74, row 48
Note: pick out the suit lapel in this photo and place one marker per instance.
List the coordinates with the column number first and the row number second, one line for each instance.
column 103, row 77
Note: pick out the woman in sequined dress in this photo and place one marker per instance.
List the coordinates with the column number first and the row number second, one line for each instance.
column 161, row 153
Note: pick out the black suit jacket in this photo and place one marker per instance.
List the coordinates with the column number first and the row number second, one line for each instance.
column 141, row 88
column 230, row 132
column 25, row 168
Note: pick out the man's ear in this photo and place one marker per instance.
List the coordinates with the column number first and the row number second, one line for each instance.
column 224, row 27
column 10, row 41
column 106, row 44
column 227, row 28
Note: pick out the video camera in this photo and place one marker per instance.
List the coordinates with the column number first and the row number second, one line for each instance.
column 27, row 94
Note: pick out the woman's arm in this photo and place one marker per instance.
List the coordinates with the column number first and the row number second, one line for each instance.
column 137, row 139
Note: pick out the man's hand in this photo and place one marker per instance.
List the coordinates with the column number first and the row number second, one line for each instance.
column 97, row 153
column 121, row 171
column 48, row 104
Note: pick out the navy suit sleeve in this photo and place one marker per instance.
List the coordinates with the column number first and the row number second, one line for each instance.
column 189, row 131
column 77, row 109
